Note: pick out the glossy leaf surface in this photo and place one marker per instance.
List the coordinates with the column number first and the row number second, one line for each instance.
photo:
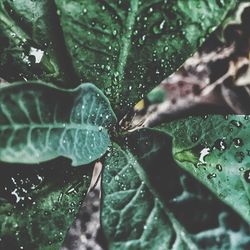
column 150, row 203
column 215, row 150
column 124, row 47
column 39, row 122
column 39, row 203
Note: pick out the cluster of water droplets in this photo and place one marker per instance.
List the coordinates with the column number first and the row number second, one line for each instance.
column 216, row 156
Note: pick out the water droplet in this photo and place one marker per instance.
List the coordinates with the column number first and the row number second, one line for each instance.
column 60, row 197
column 238, row 142
column 142, row 40
column 157, row 29
column 220, row 144
column 210, row 176
column 211, row 29
column 117, row 178
column 247, row 176
column 237, row 124
column 201, row 40
column 194, row 138
column 219, row 167
column 46, row 213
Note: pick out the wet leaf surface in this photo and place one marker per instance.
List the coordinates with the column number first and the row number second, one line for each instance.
column 215, row 150
column 150, row 203
column 39, row 203
column 39, row 122
column 125, row 48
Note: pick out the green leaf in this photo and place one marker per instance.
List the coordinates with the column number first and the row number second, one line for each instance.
column 40, row 203
column 150, row 203
column 27, row 48
column 215, row 149
column 120, row 46
column 128, row 47
column 39, row 122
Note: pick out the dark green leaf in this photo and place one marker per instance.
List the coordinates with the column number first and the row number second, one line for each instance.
column 127, row 47
column 39, row 122
column 39, row 204
column 150, row 203
column 28, row 41
column 216, row 150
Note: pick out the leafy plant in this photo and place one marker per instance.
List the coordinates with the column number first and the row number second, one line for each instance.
column 55, row 48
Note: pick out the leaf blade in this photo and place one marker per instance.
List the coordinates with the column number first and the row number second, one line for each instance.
column 40, row 203
column 128, row 48
column 190, row 214
column 207, row 148
column 40, row 122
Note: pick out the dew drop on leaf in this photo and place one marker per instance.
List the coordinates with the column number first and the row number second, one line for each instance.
column 220, row 144
column 157, row 29
column 166, row 48
column 194, row 138
column 219, row 167
column 201, row 40
column 210, row 176
column 237, row 124
column 211, row 29
column 247, row 176
column 238, row 142
column 142, row 40
column 60, row 197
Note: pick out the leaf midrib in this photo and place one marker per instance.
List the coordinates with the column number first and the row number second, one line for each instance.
column 54, row 126
column 126, row 39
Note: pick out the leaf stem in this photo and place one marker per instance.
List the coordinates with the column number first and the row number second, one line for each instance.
column 126, row 40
